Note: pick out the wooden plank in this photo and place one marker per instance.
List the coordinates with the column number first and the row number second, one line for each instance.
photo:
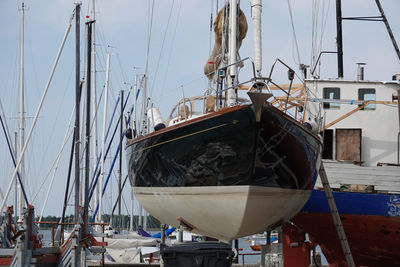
column 384, row 188
column 390, row 190
column 383, row 175
column 348, row 144
column 383, row 178
column 395, row 189
column 350, row 165
column 365, row 170
column 346, row 115
column 274, row 87
column 365, row 181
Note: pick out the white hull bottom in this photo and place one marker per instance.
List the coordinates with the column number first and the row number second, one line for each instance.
column 223, row 212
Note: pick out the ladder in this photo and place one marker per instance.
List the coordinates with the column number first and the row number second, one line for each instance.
column 336, row 217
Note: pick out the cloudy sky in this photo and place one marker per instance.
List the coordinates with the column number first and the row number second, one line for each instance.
column 179, row 47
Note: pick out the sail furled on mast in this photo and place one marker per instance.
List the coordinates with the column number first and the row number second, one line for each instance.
column 216, row 56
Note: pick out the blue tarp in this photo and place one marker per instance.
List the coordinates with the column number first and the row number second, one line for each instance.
column 158, row 235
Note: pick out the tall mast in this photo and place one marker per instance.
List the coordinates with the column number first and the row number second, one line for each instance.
column 103, row 142
column 389, row 30
column 77, row 108
column 120, row 160
column 232, row 52
column 95, row 139
column 87, row 130
column 256, row 9
column 21, row 113
column 144, row 129
column 339, row 39
column 135, row 86
column 16, row 180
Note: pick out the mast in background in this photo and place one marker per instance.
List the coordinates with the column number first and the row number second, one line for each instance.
column 120, row 161
column 94, row 72
column 87, row 130
column 134, row 132
column 77, row 108
column 339, row 20
column 16, row 180
column 21, row 114
column 389, row 30
column 103, row 142
column 339, row 39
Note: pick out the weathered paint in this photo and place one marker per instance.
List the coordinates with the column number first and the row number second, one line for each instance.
column 371, row 223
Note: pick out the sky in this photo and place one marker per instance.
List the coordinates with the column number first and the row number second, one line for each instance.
column 179, row 47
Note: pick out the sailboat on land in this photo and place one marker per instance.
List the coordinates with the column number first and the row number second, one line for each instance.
column 234, row 167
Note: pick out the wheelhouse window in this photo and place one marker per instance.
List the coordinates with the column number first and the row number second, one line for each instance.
column 367, row 94
column 331, row 93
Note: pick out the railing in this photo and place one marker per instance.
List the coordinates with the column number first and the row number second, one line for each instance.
column 53, row 224
column 248, row 254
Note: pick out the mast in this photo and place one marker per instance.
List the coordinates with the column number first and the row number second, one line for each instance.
column 39, row 108
column 256, row 9
column 339, row 39
column 144, row 129
column 132, row 210
column 87, row 130
column 232, row 52
column 389, row 30
column 16, row 181
column 144, row 107
column 134, row 131
column 95, row 139
column 120, row 160
column 77, row 108
column 135, row 89
column 21, row 114
column 103, row 141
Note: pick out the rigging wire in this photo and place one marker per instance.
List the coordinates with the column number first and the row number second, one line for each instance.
column 54, row 173
column 324, row 20
column 48, row 140
column 37, row 111
column 13, row 159
column 319, row 22
column 121, row 69
column 294, row 33
column 314, row 28
column 170, row 54
column 55, row 163
column 143, row 114
column 161, row 50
